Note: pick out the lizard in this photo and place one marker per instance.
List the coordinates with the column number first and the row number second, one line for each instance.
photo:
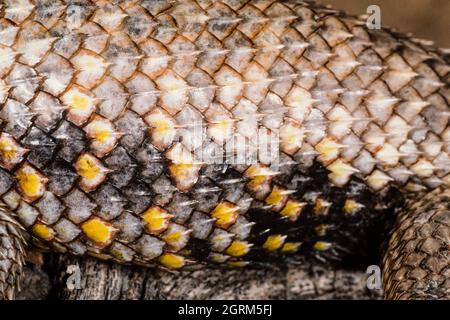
column 174, row 134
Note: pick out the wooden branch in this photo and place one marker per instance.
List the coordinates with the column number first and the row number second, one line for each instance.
column 300, row 279
column 35, row 284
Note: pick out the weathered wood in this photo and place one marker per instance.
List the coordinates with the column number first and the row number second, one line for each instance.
column 300, row 279
column 35, row 284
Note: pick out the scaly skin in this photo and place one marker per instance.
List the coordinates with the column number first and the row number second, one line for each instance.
column 12, row 245
column 99, row 103
column 416, row 264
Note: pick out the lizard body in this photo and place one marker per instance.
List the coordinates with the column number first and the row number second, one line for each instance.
column 123, row 124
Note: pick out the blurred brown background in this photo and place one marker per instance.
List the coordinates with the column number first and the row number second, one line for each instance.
column 427, row 19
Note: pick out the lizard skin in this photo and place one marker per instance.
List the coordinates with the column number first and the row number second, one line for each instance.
column 99, row 102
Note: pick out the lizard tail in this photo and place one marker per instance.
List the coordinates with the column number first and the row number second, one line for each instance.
column 417, row 262
column 12, row 253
